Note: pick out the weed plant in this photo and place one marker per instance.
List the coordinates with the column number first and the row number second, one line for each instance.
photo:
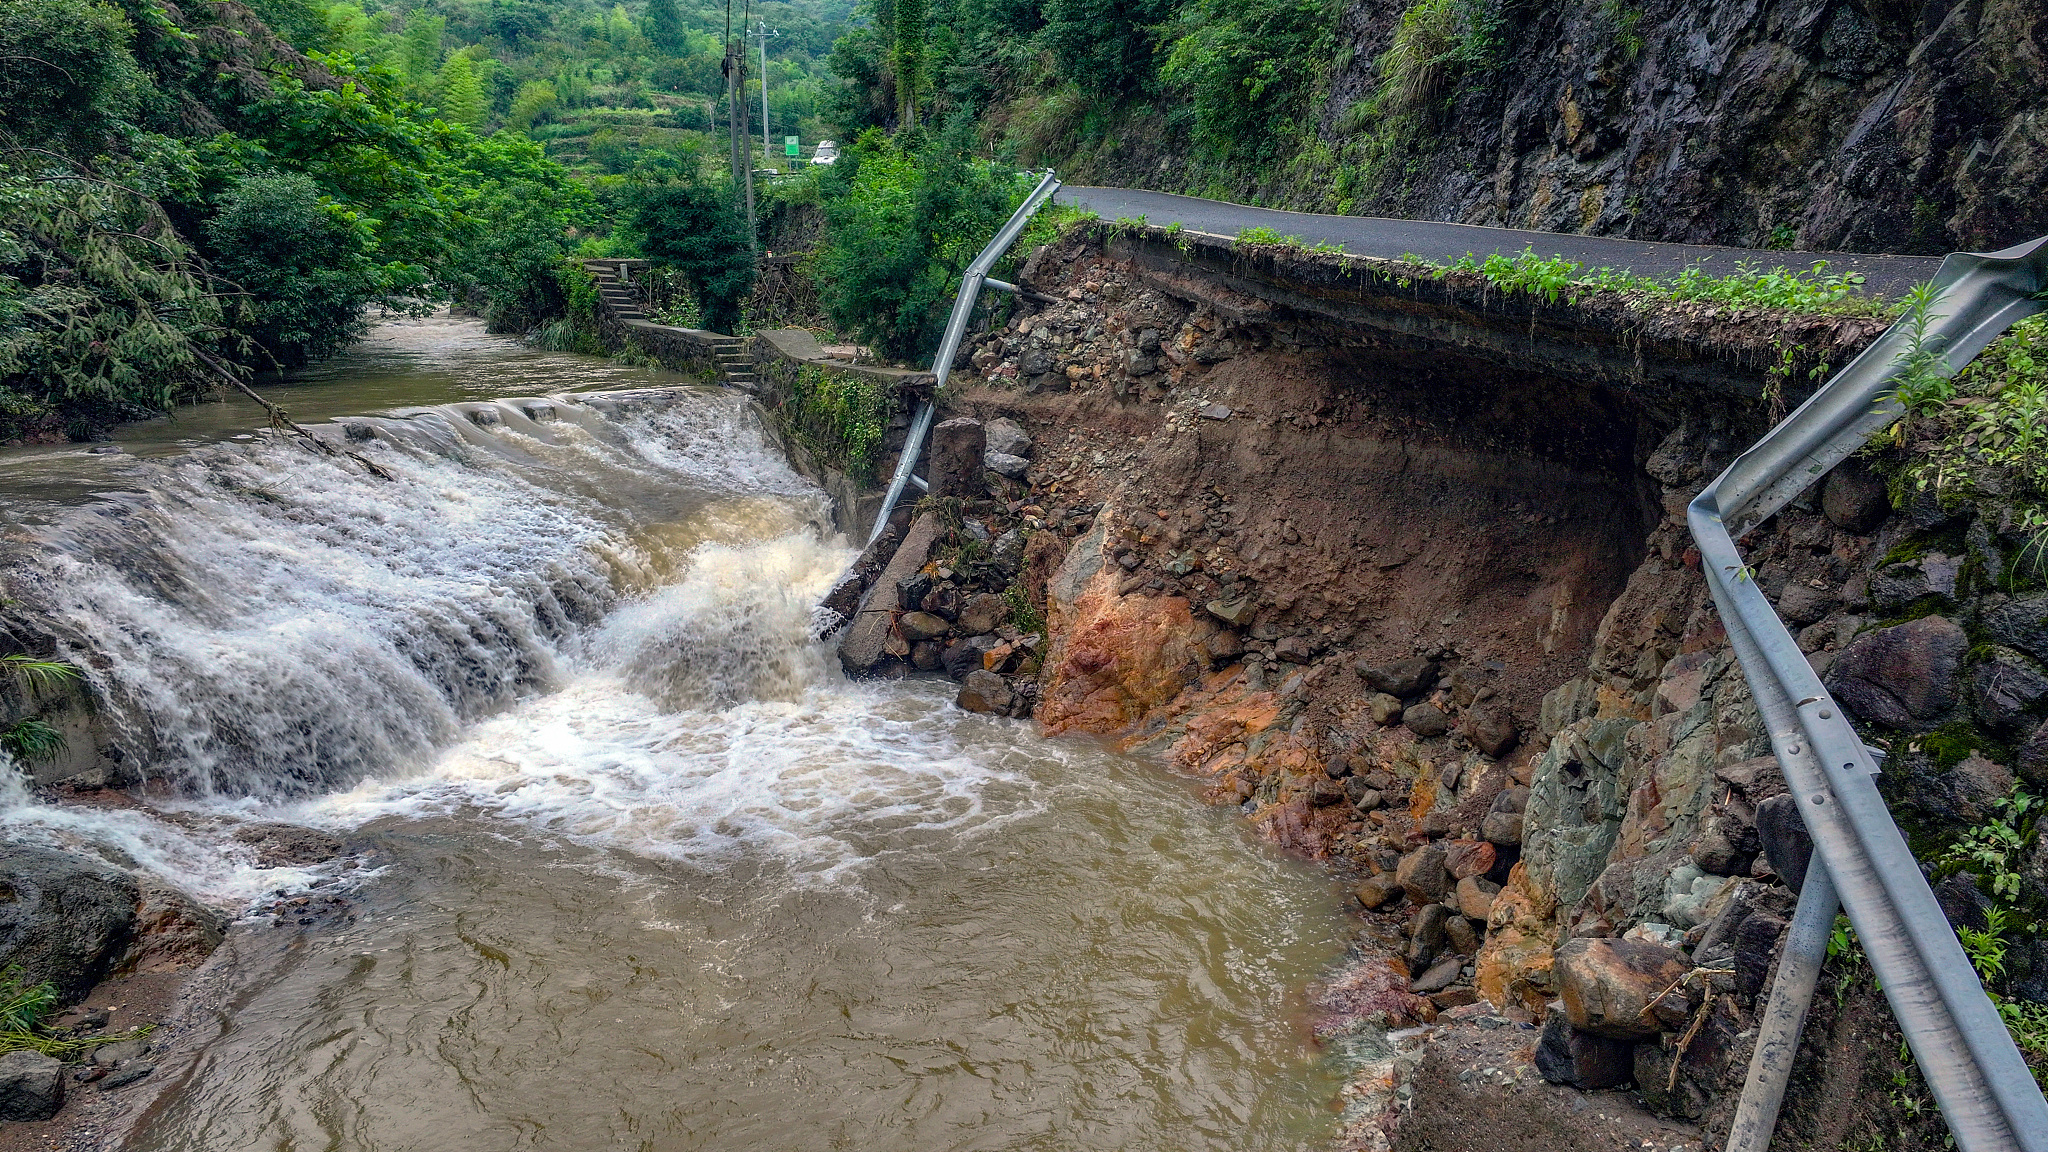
column 1555, row 278
column 1980, row 434
column 25, row 1010
column 839, row 417
column 34, row 739
column 1262, row 237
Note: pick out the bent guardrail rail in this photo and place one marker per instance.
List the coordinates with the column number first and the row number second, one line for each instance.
column 971, row 283
column 1983, row 1087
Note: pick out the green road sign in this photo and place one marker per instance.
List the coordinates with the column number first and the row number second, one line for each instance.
column 789, row 146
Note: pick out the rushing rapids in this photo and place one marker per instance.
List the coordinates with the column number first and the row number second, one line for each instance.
column 645, row 870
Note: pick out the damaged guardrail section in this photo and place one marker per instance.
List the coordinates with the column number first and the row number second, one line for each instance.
column 971, row 282
column 1986, row 1094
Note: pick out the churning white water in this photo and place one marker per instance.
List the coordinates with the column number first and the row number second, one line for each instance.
column 653, row 875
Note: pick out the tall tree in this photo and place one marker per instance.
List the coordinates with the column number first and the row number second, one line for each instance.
column 696, row 230
column 461, row 91
column 422, row 44
column 907, row 58
column 665, row 26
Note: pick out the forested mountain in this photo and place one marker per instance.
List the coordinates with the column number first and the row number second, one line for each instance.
column 189, row 193
column 227, row 185
column 596, row 82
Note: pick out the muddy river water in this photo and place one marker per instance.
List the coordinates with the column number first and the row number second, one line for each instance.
column 640, row 868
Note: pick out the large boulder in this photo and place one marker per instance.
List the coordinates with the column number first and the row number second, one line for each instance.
column 63, row 918
column 1959, row 796
column 1468, row 857
column 1904, row 676
column 173, row 932
column 1503, row 822
column 983, row 612
column 917, row 626
column 964, row 656
column 1853, row 497
column 985, row 692
column 1782, row 836
column 956, row 458
column 1491, row 728
column 1402, row 677
column 1426, row 719
column 1004, row 464
column 866, row 639
column 1423, row 875
column 1008, row 437
column 1611, row 987
column 1896, row 587
column 2009, row 689
column 31, row 1086
column 1475, row 897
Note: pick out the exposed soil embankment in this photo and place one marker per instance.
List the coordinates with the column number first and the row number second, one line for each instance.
column 1434, row 616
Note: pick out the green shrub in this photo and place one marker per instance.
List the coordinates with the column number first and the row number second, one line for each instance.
column 904, row 217
column 304, row 262
column 1269, row 237
column 101, row 306
column 1250, row 68
column 31, row 741
column 1813, row 290
column 1983, row 431
column 693, row 229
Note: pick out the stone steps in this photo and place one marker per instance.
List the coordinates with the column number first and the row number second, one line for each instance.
column 735, row 364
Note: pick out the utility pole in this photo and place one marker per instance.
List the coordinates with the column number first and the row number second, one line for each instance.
column 736, row 126
column 762, row 31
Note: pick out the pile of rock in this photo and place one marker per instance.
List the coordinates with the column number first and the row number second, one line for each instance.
column 1456, row 859
column 945, row 599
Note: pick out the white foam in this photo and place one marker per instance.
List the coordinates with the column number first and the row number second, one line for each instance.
column 273, row 621
column 212, row 867
column 701, row 722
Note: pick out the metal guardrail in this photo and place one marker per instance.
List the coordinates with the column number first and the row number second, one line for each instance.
column 1985, row 1092
column 971, row 282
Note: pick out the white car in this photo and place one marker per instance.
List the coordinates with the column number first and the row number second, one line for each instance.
column 826, row 153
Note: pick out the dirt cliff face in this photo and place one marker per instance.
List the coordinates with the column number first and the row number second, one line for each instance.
column 1863, row 125
column 1440, row 623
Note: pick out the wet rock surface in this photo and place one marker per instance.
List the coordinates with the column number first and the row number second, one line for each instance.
column 63, row 918
column 31, row 1086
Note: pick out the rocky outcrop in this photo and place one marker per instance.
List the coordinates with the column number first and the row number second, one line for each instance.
column 172, row 931
column 1811, row 126
column 1850, row 126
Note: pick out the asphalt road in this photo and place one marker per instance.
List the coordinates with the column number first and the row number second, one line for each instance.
column 1391, row 239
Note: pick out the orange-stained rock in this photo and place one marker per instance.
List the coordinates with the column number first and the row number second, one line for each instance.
column 1513, row 968
column 1422, row 796
column 1116, row 658
column 1622, row 989
column 1468, row 857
